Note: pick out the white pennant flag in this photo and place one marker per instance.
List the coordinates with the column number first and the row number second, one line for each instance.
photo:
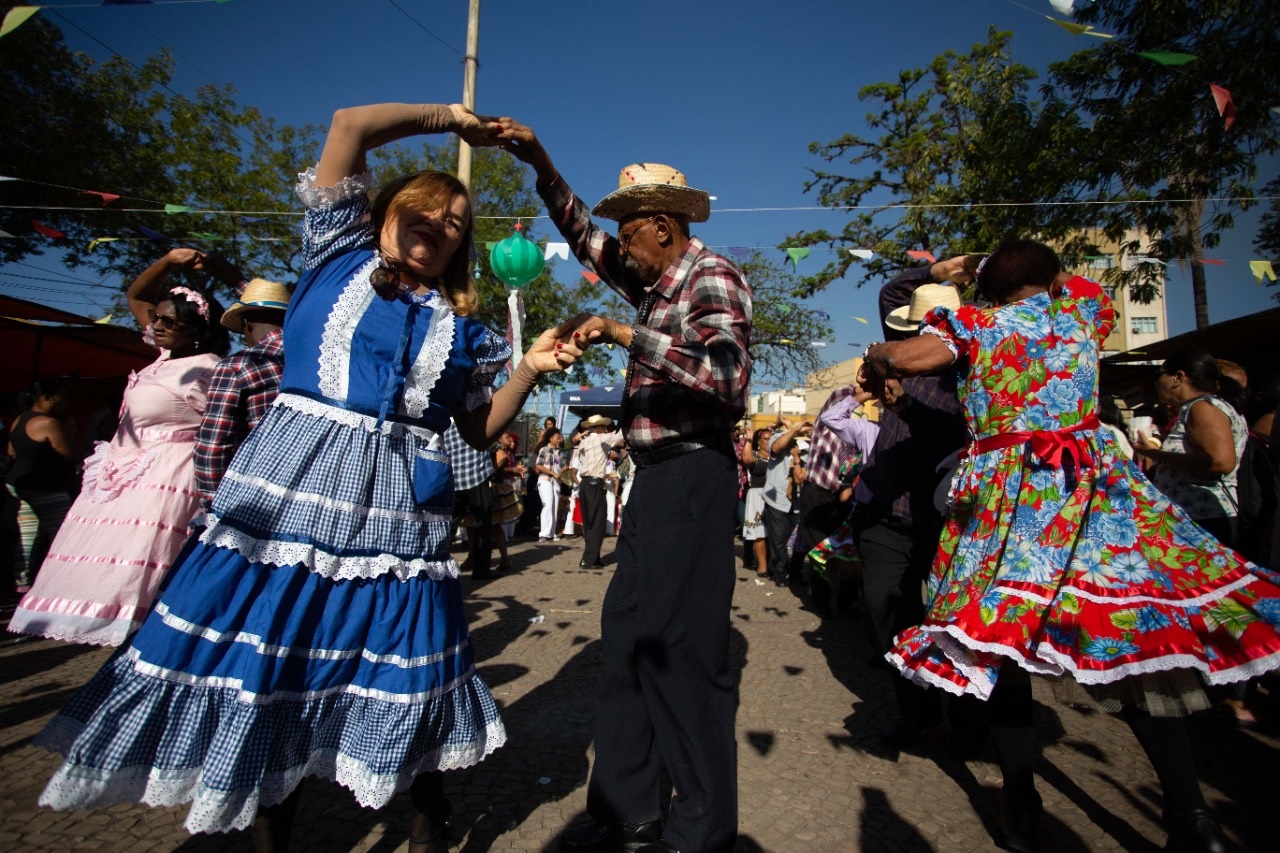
column 556, row 250
column 865, row 254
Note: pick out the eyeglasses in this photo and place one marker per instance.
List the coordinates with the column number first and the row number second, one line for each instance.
column 169, row 324
column 624, row 240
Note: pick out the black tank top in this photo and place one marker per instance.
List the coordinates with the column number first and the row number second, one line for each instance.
column 36, row 466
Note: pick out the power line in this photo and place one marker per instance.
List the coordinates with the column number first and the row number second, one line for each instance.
column 425, row 30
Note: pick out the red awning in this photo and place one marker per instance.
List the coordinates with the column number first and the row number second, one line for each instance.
column 21, row 309
column 29, row 351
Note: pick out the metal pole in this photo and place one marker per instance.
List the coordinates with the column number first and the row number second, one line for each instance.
column 469, row 85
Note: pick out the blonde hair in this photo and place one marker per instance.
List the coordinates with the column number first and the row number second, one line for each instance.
column 434, row 191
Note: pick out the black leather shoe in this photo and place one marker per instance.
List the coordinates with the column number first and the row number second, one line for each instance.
column 597, row 837
column 658, row 847
column 1020, row 823
column 1194, row 831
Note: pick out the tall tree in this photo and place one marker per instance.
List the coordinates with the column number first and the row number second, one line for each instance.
column 1156, row 139
column 73, row 125
column 959, row 156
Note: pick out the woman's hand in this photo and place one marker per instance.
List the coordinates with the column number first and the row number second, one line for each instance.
column 555, row 349
column 476, row 131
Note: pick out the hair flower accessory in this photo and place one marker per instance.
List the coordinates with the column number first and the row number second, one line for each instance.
column 202, row 304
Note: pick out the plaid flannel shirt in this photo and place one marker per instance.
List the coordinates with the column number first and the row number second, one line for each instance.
column 828, row 452
column 689, row 365
column 241, row 390
column 471, row 467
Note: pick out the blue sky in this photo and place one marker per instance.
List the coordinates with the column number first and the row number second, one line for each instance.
column 730, row 93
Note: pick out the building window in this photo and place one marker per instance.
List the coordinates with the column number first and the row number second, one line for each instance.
column 1101, row 262
column 1111, row 290
column 1143, row 325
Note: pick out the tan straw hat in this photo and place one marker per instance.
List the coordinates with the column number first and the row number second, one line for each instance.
column 653, row 188
column 259, row 295
column 597, row 421
column 925, row 298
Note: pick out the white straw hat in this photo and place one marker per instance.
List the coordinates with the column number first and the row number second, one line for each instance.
column 653, row 188
column 258, row 295
column 924, row 299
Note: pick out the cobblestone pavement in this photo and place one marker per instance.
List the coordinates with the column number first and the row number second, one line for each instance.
column 812, row 704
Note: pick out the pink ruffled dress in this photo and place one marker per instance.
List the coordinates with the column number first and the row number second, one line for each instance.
column 132, row 515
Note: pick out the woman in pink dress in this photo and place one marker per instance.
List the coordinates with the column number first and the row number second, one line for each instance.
column 139, row 492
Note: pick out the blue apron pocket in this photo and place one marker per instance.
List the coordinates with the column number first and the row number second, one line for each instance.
column 432, row 480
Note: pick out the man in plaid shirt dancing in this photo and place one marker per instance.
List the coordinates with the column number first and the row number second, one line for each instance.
column 244, row 384
column 666, row 696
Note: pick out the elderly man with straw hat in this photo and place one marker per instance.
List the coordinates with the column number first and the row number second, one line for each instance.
column 245, row 383
column 667, row 696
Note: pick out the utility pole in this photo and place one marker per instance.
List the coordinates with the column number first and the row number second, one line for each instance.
column 471, row 61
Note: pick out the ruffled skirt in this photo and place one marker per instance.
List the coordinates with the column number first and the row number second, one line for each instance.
column 1098, row 577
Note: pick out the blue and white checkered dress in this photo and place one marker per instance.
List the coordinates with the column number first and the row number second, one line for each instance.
column 316, row 626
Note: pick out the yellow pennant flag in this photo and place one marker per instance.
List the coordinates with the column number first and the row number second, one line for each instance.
column 93, row 244
column 1261, row 270
column 104, row 321
column 16, row 17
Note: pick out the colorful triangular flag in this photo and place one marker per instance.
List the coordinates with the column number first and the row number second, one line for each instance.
column 1166, row 57
column 796, row 255
column 1226, row 106
column 96, row 241
column 16, row 17
column 921, row 255
column 107, row 198
column 154, row 235
column 863, row 254
column 1261, row 270
column 740, row 252
column 105, row 320
column 45, row 230
column 590, row 276
column 1212, row 262
column 556, row 250
column 176, row 208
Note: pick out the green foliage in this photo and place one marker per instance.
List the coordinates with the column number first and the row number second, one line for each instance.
column 963, row 130
column 1155, row 133
column 117, row 128
column 783, row 328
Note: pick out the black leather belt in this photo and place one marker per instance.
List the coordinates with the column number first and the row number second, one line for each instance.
column 674, row 449
column 591, row 479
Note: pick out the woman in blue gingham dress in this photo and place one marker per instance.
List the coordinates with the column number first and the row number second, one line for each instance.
column 316, row 627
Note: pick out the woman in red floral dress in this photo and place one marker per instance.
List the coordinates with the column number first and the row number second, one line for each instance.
column 1059, row 557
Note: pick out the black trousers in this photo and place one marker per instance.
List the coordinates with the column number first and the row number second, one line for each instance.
column 895, row 563
column 777, row 531
column 667, row 697
column 478, row 501
column 592, row 495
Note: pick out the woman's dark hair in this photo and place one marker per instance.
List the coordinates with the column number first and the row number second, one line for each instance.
column 1262, row 396
column 431, row 190
column 208, row 332
column 755, row 436
column 550, row 433
column 1017, row 263
column 36, row 390
column 1200, row 368
column 1109, row 413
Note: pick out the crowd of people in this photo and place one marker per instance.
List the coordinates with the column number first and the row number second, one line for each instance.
column 986, row 526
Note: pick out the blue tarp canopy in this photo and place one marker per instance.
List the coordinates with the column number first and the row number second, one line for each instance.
column 601, row 399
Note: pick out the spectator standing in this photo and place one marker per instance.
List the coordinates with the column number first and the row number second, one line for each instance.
column 599, row 440
column 755, row 460
column 548, row 464
column 780, row 473
column 473, row 473
column 818, row 506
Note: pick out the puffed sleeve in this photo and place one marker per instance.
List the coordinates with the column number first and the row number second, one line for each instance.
column 1093, row 306
column 196, row 395
column 337, row 217
column 489, row 353
column 956, row 329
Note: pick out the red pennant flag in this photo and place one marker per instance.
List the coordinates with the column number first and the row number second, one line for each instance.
column 41, row 228
column 590, row 276
column 107, row 198
column 920, row 255
column 1226, row 106
column 1210, row 262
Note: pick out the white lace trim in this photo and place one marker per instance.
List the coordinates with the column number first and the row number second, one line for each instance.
column 319, row 562
column 335, row 341
column 431, row 359
column 217, row 682
column 942, row 336
column 314, row 196
column 75, row 787
column 104, row 477
column 354, row 420
column 86, row 630
column 417, row 516
column 273, row 650
column 1199, row 600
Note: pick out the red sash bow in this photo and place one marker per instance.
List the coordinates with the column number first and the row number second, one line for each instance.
column 1048, row 446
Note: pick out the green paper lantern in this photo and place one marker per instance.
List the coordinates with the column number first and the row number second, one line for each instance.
column 516, row 260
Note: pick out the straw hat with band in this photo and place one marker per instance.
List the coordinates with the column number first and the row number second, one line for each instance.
column 925, row 298
column 653, row 188
column 258, row 295
column 597, row 421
